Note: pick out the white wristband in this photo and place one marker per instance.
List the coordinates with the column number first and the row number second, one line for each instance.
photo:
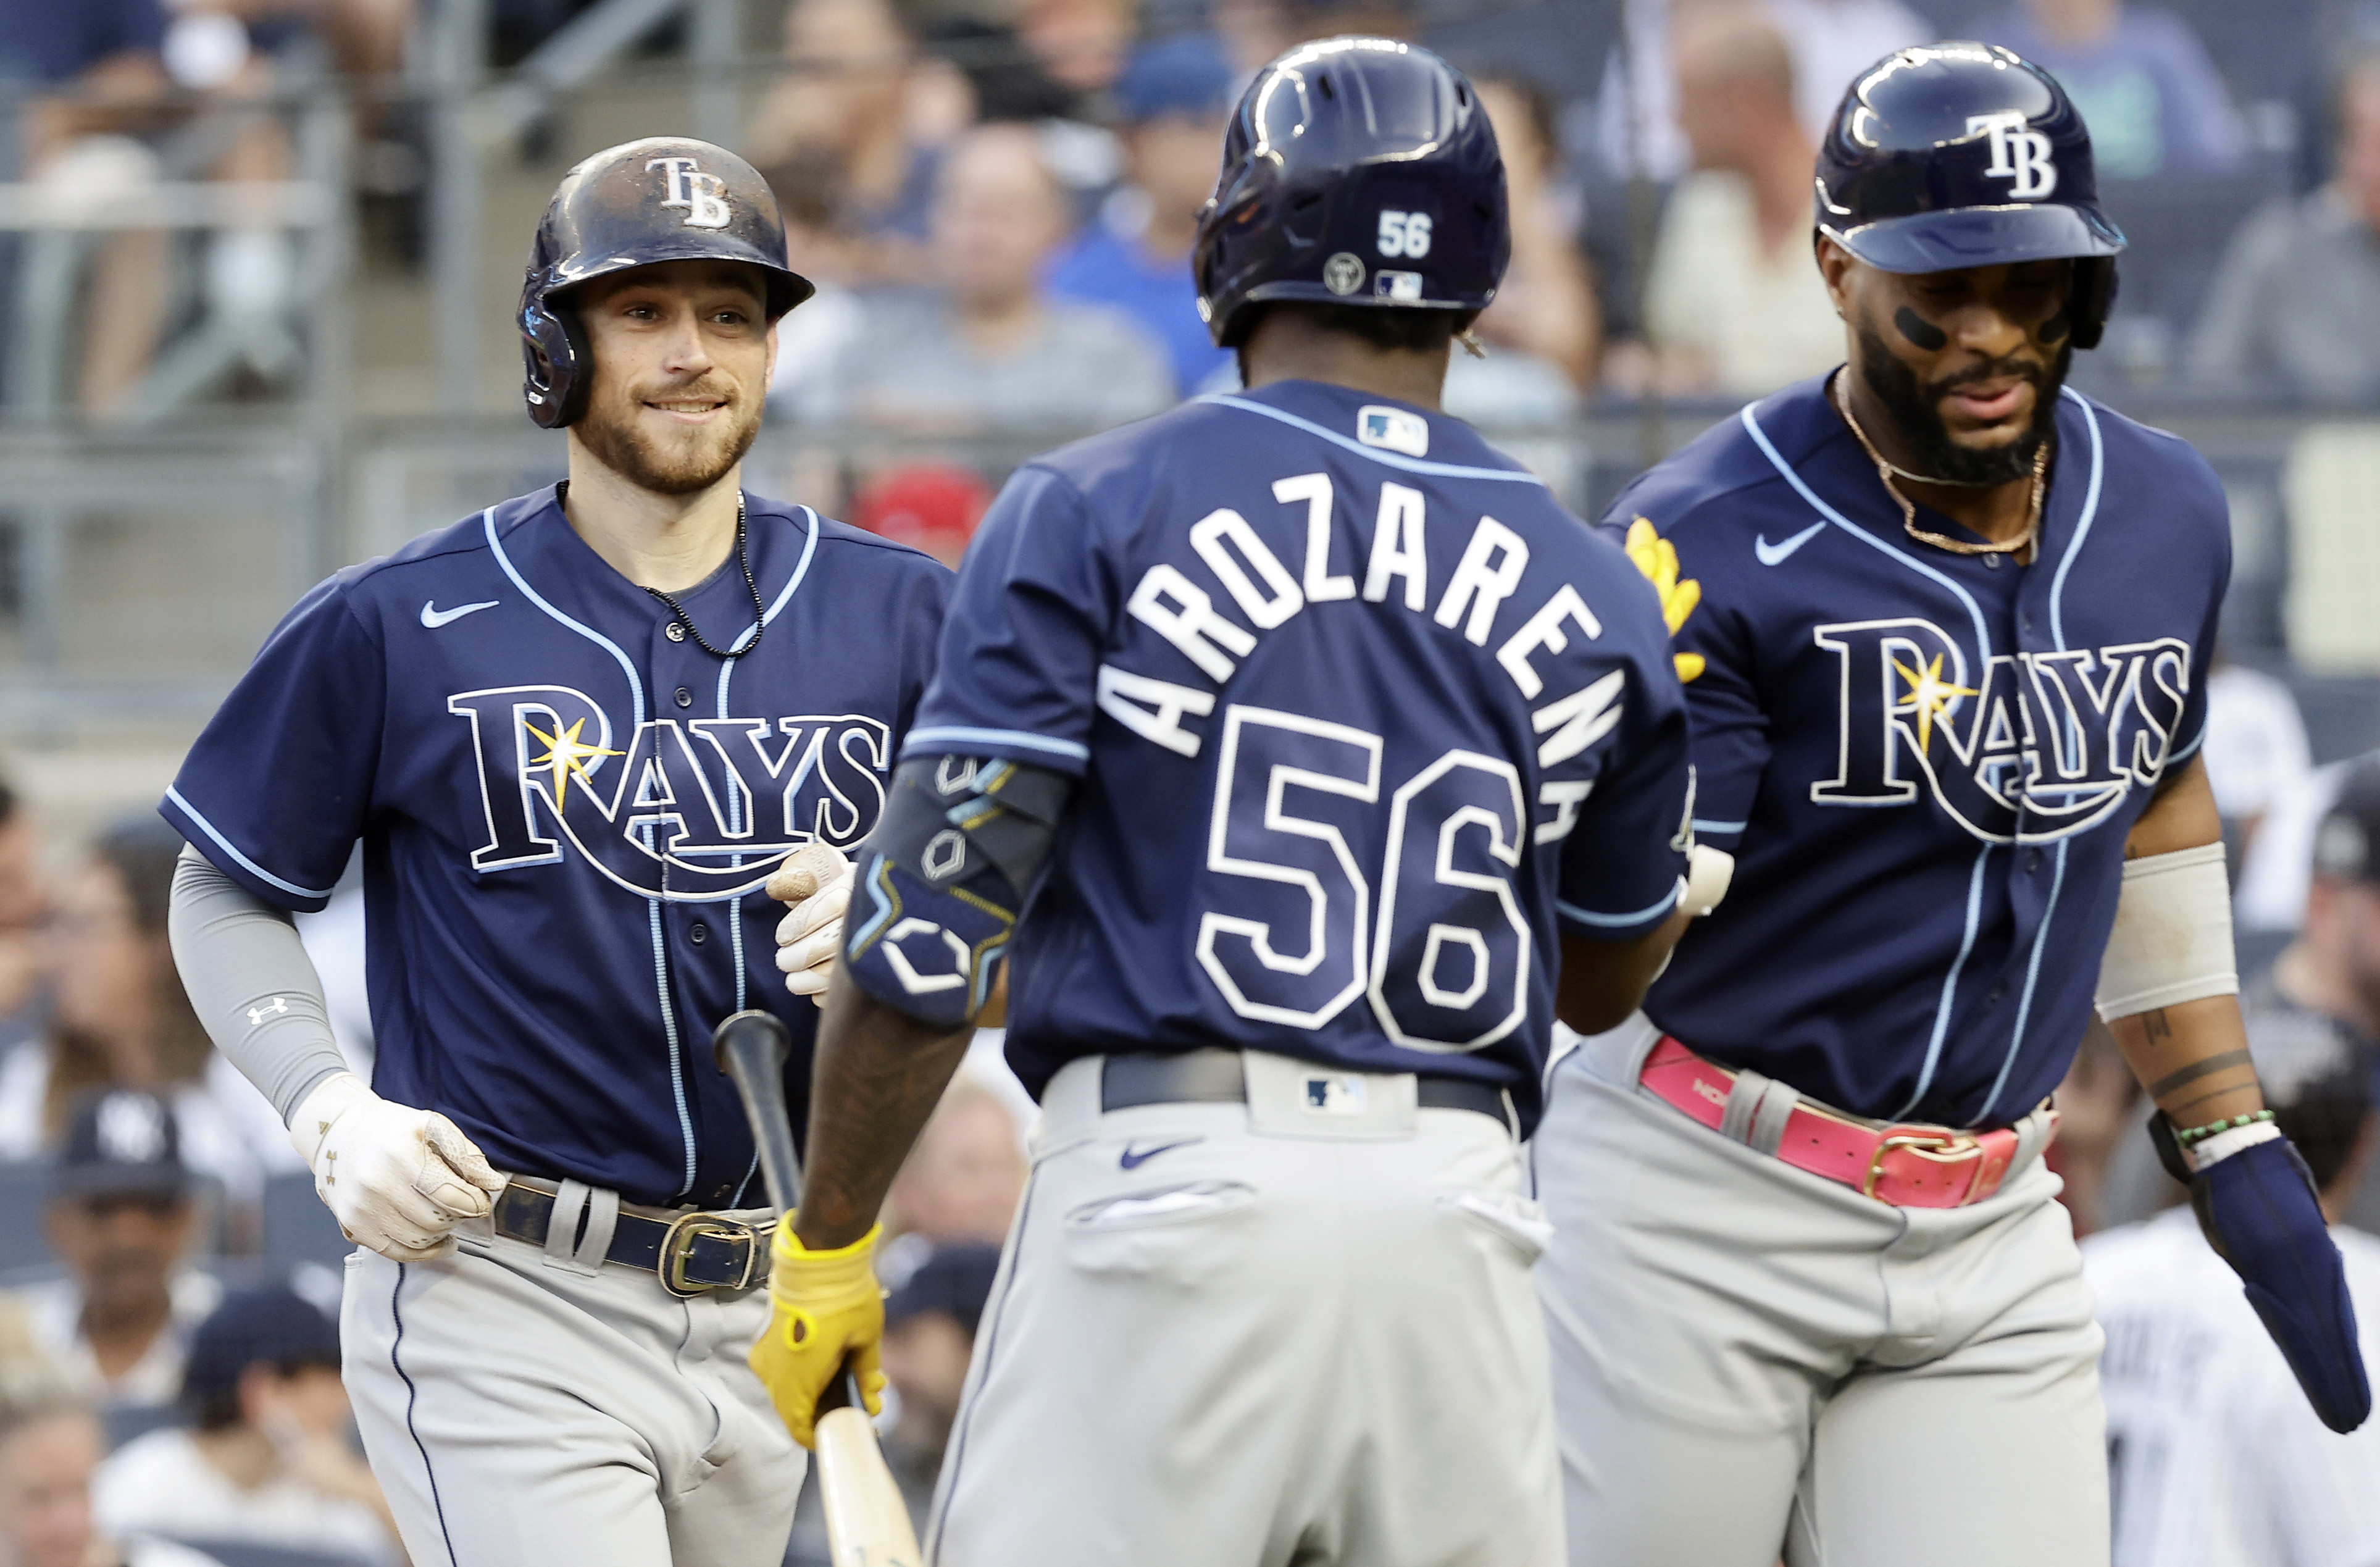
column 2223, row 1145
column 1709, row 871
column 2172, row 939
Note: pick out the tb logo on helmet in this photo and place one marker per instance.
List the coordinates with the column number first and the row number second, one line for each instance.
column 2019, row 154
column 699, row 193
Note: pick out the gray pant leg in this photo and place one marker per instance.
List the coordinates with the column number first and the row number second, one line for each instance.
column 1685, row 1378
column 1251, row 1350
column 514, row 1413
column 2006, row 1429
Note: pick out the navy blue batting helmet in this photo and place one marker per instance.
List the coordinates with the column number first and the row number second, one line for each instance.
column 1357, row 171
column 1951, row 155
column 663, row 199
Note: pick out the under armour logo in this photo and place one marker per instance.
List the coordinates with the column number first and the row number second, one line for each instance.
column 257, row 1015
column 2019, row 155
column 702, row 195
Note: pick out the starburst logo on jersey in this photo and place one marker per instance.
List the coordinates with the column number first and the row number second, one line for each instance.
column 690, row 810
column 2028, row 748
column 1657, row 559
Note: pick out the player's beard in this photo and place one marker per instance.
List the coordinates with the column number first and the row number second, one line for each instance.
column 691, row 459
column 1915, row 408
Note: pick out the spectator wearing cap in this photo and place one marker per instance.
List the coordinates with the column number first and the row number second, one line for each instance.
column 50, row 1447
column 267, row 1458
column 988, row 351
column 1734, row 302
column 1174, row 100
column 2146, row 86
column 2296, row 302
column 120, row 1018
column 120, row 1218
column 2216, row 1459
column 931, row 1321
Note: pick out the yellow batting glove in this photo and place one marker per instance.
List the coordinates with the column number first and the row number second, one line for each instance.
column 1657, row 559
column 825, row 1307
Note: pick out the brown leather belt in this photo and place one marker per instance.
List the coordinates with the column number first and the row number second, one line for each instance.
column 691, row 1253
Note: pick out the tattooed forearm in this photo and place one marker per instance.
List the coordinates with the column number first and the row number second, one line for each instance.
column 876, row 1077
column 2223, row 1062
column 2158, row 1025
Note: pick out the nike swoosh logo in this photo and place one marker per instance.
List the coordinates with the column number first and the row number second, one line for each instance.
column 1133, row 1158
column 435, row 617
column 1776, row 554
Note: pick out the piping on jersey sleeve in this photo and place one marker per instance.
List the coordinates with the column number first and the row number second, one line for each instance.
column 1621, row 921
column 962, row 734
column 232, row 849
column 1391, row 459
column 636, row 683
column 1702, row 826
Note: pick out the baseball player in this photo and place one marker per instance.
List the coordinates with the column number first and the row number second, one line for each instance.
column 1943, row 628
column 575, row 735
column 1324, row 743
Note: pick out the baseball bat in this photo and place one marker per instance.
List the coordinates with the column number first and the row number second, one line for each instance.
column 867, row 1522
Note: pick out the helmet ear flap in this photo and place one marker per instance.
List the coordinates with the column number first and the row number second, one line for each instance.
column 2095, row 296
column 555, row 362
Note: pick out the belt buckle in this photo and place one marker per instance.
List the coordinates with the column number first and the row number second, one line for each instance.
column 677, row 1247
column 1942, row 1147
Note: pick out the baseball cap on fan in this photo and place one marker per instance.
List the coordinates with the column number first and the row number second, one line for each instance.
column 2346, row 845
column 122, row 1143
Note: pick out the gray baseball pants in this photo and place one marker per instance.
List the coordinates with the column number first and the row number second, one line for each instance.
column 1751, row 1361
column 1251, row 1335
column 520, row 1406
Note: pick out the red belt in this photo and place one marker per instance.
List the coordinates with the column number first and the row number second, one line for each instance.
column 1905, row 1166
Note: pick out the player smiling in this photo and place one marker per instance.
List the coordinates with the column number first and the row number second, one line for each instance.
column 1945, row 627
column 575, row 735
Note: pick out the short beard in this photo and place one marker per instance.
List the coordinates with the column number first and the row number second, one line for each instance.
column 1915, row 409
column 612, row 437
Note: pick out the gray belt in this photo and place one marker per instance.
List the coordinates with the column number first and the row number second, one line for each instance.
column 1217, row 1076
column 691, row 1254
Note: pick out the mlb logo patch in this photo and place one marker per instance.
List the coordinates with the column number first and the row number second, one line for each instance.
column 1397, row 285
column 1394, row 429
column 1334, row 1096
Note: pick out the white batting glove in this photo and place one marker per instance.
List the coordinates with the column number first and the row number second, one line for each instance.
column 816, row 879
column 397, row 1179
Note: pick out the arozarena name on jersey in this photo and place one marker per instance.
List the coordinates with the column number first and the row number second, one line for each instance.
column 695, row 809
column 1267, row 594
column 2064, row 735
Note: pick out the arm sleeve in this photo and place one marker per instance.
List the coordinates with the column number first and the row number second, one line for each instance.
column 279, row 785
column 1018, row 670
column 1623, row 865
column 253, row 985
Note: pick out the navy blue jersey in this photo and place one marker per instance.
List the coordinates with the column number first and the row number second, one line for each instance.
column 1363, row 720
column 1925, row 764
column 567, row 815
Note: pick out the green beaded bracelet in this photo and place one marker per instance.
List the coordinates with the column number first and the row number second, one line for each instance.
column 2200, row 1133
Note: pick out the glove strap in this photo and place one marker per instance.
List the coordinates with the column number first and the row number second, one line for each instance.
column 320, row 1110
column 789, row 1248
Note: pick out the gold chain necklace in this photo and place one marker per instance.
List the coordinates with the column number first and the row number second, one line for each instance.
column 1885, row 471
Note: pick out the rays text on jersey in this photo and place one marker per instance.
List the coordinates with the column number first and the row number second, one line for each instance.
column 2031, row 748
column 689, row 810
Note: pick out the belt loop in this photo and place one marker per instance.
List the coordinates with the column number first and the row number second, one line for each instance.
column 1757, row 1110
column 603, row 1219
column 2033, row 1135
column 570, row 1201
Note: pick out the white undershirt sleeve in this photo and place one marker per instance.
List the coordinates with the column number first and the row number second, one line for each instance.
column 253, row 985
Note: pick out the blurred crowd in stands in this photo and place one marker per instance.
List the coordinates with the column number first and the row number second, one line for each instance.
column 998, row 194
